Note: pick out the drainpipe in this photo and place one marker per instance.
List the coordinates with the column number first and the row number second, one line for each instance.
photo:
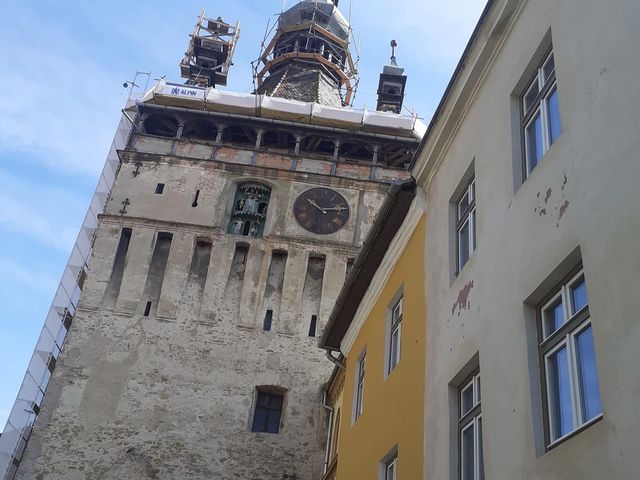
column 335, row 361
column 329, row 431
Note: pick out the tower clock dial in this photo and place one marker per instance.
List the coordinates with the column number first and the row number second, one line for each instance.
column 321, row 210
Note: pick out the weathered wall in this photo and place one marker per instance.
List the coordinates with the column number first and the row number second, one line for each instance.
column 583, row 195
column 170, row 395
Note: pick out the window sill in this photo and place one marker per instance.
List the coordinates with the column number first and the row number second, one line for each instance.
column 569, row 436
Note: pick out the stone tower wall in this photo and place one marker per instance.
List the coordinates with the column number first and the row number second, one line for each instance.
column 171, row 395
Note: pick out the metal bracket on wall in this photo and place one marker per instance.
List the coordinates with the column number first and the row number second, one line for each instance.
column 136, row 172
column 125, row 204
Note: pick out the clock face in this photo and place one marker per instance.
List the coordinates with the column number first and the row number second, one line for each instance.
column 321, row 210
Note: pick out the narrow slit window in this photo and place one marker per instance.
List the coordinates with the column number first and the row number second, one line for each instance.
column 268, row 319
column 312, row 325
column 160, row 189
column 147, row 309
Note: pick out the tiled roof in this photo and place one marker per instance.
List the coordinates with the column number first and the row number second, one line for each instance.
column 303, row 82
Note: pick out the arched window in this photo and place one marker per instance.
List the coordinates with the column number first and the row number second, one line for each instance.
column 200, row 130
column 249, row 212
column 161, row 125
column 355, row 151
column 240, row 135
column 277, row 140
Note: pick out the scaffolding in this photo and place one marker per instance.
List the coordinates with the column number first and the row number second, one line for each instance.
column 207, row 61
column 26, row 408
column 313, row 32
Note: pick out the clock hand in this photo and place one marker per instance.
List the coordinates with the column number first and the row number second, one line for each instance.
column 337, row 208
column 314, row 204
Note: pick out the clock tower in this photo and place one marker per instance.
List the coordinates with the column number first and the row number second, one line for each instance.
column 231, row 222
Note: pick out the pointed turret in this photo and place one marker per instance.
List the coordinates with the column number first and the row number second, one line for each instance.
column 392, row 85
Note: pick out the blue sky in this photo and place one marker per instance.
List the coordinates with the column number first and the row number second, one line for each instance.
column 62, row 65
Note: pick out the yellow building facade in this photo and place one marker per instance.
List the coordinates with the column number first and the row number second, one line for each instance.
column 377, row 399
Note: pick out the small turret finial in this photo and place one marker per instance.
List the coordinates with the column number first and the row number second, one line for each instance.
column 394, row 44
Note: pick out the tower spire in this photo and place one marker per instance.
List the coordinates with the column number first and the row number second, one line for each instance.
column 392, row 85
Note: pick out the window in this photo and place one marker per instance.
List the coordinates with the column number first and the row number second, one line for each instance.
column 540, row 114
column 360, row 385
column 391, row 468
column 471, row 464
column 160, row 189
column 268, row 412
column 312, row 325
column 395, row 334
column 466, row 224
column 567, row 355
column 249, row 212
column 268, row 320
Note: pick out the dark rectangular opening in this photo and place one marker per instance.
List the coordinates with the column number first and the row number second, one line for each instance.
column 147, row 309
column 268, row 318
column 160, row 189
column 268, row 412
column 113, row 288
column 312, row 325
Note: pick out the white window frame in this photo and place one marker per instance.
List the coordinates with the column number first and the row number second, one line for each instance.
column 359, row 390
column 582, row 320
column 472, row 418
column 466, row 216
column 547, row 86
column 395, row 335
column 391, row 465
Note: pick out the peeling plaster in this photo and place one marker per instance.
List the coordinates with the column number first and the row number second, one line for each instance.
column 462, row 303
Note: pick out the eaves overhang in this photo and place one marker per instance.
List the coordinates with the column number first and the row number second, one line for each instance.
column 386, row 225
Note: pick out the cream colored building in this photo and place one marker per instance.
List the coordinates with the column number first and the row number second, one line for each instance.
column 530, row 169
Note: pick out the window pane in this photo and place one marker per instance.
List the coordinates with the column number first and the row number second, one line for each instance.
column 259, row 419
column 391, row 471
column 531, row 95
column 467, row 466
column 463, row 204
column 588, row 376
column 553, row 318
column 480, row 450
column 463, row 245
column 394, row 350
column 467, row 402
column 273, row 422
column 263, row 399
column 579, row 295
column 554, row 116
column 560, row 410
column 535, row 146
column 276, row 402
column 473, row 231
column 548, row 68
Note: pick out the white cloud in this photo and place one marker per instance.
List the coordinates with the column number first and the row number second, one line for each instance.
column 54, row 101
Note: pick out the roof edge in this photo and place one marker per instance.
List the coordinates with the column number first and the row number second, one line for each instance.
column 385, row 227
